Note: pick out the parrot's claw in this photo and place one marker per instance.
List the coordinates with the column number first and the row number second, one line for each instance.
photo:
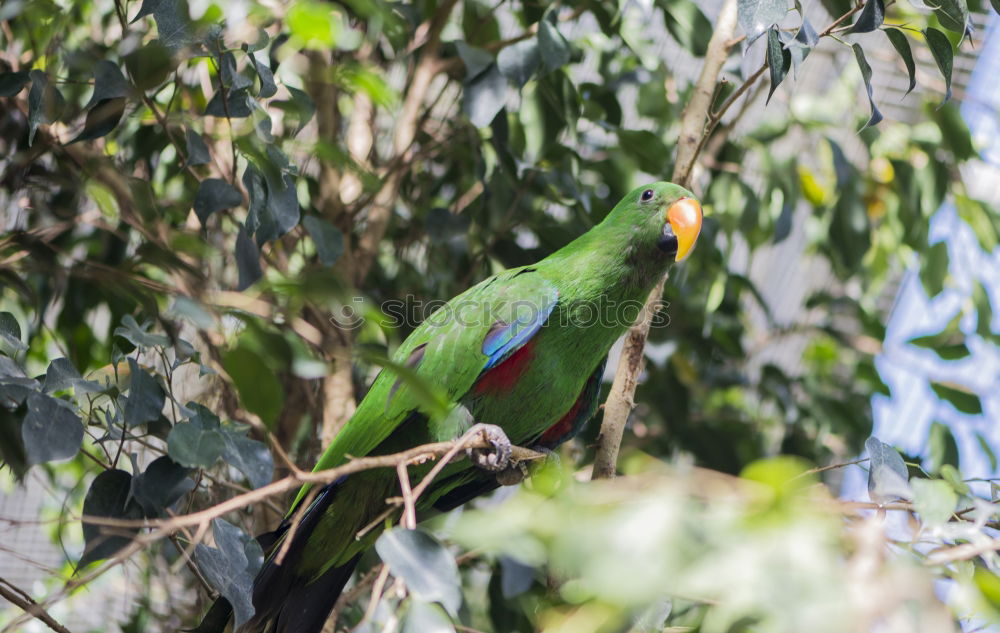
column 497, row 457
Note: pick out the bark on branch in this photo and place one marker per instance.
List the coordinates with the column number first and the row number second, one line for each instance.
column 620, row 401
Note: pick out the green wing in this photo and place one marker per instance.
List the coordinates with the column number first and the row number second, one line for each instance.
column 447, row 351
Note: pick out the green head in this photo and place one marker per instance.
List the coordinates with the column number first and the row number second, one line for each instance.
column 662, row 218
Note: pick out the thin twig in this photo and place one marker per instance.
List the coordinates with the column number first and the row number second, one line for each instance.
column 21, row 599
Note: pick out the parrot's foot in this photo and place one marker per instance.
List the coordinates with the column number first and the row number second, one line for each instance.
column 497, row 457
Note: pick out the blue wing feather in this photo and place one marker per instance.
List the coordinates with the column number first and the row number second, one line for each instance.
column 504, row 339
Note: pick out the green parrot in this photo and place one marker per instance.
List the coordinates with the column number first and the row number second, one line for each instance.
column 523, row 350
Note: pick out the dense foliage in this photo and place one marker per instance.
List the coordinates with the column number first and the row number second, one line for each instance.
column 222, row 218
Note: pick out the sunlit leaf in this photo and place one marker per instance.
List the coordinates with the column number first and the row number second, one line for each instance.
column 934, row 500
column 756, row 16
column 953, row 14
column 519, row 61
column 960, row 397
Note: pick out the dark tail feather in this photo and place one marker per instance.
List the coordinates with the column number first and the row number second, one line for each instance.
column 285, row 600
column 306, row 608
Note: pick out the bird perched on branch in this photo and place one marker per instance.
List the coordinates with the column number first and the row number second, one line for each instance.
column 522, row 352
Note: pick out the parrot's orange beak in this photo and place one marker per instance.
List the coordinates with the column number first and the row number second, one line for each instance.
column 680, row 231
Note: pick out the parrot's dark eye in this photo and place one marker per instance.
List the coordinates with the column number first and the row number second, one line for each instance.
column 647, row 195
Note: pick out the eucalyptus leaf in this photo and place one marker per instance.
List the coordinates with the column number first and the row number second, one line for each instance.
column 943, row 54
column 871, row 17
column 756, row 16
column 230, row 567
column 215, row 194
column 12, row 83
column 109, row 496
column 45, row 103
column 519, row 61
column 902, row 46
column 779, row 60
column 197, row 150
column 485, row 96
column 427, row 568
column 328, row 239
column 51, row 430
column 887, row 474
column 866, row 75
column 145, row 396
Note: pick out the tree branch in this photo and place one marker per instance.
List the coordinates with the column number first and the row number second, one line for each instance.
column 22, row 600
column 619, row 404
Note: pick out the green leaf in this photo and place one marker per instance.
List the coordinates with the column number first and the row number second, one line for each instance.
column 231, row 566
column 866, row 74
column 688, row 25
column 12, row 452
column 943, row 54
column 109, row 496
column 13, row 82
column 949, row 343
column 902, row 46
column 870, row 18
column 756, row 16
column 984, row 445
column 422, row 617
column 328, row 239
column 62, row 374
column 250, row 457
column 237, row 104
column 960, row 397
column 934, row 500
column 996, row 5
column 651, row 154
column 941, row 447
column 953, row 14
column 887, row 474
column 150, row 65
column 51, row 430
column 301, row 107
column 198, row 443
column 779, row 60
column 197, row 150
column 101, row 119
column 160, row 486
column 247, row 261
column 485, row 96
column 259, row 388
column 427, row 568
column 45, row 103
column 215, row 194
column 172, row 21
column 137, row 335
column 267, row 86
column 476, row 60
column 934, row 269
column 519, row 61
column 230, row 76
column 984, row 310
column 980, row 220
column 10, row 333
column 145, row 396
column 553, row 47
column 109, row 83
